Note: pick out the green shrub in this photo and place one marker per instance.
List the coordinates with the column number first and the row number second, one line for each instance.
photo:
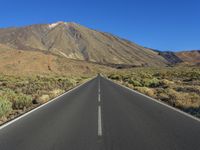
column 151, row 82
column 8, row 94
column 18, row 100
column 145, row 75
column 114, row 77
column 22, row 101
column 71, row 82
column 134, row 82
column 5, row 106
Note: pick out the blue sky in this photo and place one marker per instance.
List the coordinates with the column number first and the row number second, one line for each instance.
column 159, row 24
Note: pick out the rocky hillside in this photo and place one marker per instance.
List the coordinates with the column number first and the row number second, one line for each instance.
column 171, row 57
column 190, row 57
column 20, row 62
column 77, row 42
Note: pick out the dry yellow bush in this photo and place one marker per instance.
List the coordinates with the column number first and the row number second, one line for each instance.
column 148, row 91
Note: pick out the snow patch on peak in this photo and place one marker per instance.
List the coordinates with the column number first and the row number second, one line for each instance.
column 53, row 25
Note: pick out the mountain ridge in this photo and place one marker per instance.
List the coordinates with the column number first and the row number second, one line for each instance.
column 74, row 41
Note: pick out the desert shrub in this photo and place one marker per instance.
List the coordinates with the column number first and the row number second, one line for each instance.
column 22, row 101
column 8, row 94
column 165, row 82
column 193, row 75
column 43, row 99
column 134, row 82
column 154, row 82
column 66, row 84
column 127, row 85
column 145, row 74
column 20, row 92
column 125, row 78
column 56, row 92
column 5, row 106
column 188, row 89
column 82, row 78
column 114, row 77
column 147, row 91
column 18, row 100
column 177, row 86
column 71, row 82
column 182, row 99
column 163, row 96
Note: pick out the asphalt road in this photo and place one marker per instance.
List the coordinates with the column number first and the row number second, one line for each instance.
column 101, row 115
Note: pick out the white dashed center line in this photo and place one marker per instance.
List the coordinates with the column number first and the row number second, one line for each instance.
column 99, row 122
column 99, row 111
column 99, row 98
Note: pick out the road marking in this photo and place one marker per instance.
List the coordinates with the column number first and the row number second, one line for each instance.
column 99, row 91
column 99, row 111
column 41, row 106
column 157, row 101
column 99, row 122
column 99, row 97
column 99, row 86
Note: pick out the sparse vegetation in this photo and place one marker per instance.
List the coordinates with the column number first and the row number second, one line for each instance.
column 21, row 93
column 177, row 86
column 5, row 106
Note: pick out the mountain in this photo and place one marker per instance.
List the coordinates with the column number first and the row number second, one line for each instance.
column 20, row 62
column 171, row 57
column 189, row 57
column 74, row 41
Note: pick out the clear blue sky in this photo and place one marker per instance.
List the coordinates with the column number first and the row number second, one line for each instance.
column 159, row 24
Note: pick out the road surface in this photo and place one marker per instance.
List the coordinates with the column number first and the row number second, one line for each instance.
column 101, row 115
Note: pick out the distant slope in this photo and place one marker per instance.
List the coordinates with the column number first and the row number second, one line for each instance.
column 77, row 42
column 190, row 57
column 20, row 62
column 171, row 57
